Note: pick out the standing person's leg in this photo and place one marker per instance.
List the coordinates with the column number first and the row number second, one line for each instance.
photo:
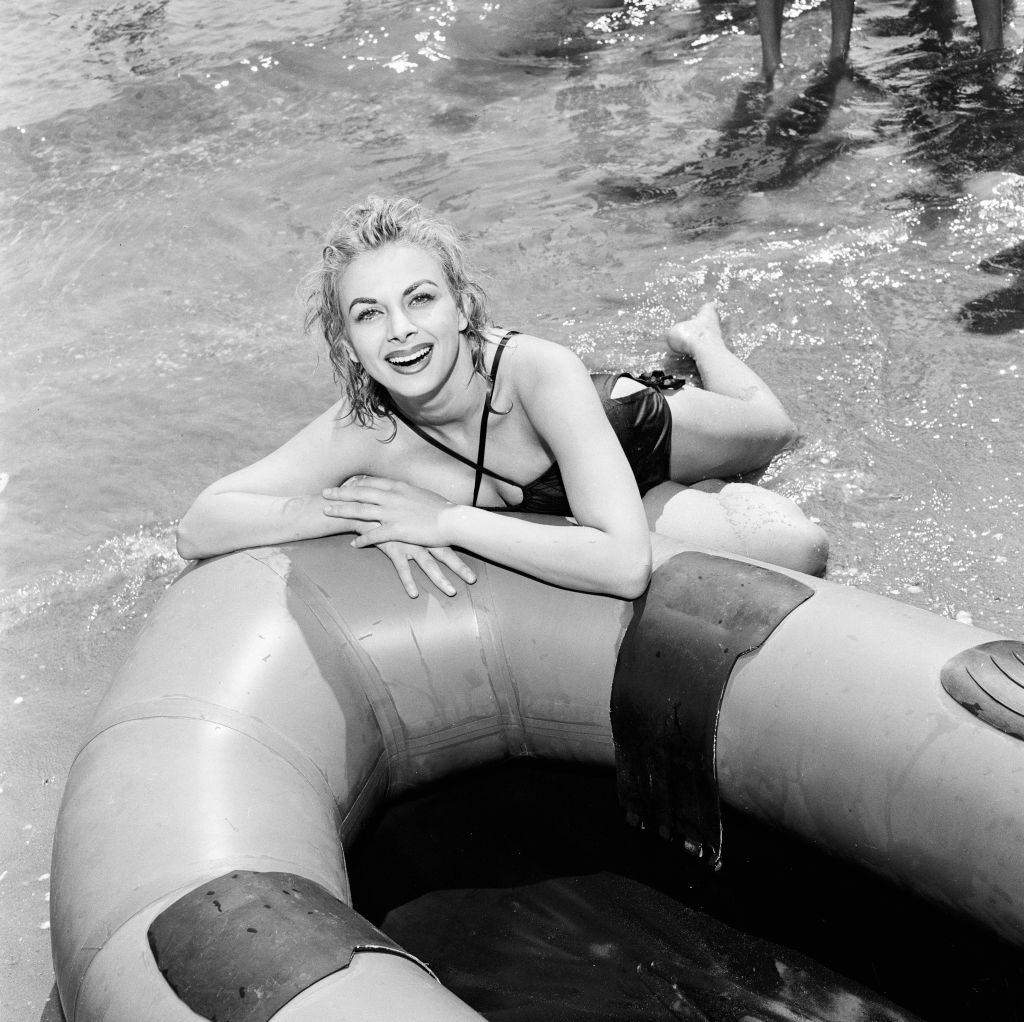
column 989, row 14
column 769, row 22
column 842, row 25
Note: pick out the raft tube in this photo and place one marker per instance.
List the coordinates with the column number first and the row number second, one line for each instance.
column 276, row 696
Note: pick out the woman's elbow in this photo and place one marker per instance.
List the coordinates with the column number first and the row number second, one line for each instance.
column 188, row 549
column 632, row 576
column 787, row 432
column 190, row 542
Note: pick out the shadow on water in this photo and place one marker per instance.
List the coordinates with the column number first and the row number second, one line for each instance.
column 958, row 115
column 126, row 37
column 763, row 145
column 976, row 137
column 1001, row 310
column 964, row 120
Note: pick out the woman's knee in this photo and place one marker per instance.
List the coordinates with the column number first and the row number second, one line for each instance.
column 806, row 547
column 775, row 529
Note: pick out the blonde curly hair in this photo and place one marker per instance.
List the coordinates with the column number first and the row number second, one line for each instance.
column 365, row 227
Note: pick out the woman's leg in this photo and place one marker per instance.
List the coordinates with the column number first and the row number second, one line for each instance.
column 738, row 518
column 732, row 424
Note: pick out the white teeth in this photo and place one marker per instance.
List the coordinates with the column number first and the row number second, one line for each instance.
column 408, row 360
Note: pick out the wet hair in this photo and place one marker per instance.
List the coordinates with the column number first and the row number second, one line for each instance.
column 365, row 227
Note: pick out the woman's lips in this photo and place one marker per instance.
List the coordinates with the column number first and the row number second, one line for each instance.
column 410, row 360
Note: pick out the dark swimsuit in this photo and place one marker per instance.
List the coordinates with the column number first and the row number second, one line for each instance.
column 641, row 420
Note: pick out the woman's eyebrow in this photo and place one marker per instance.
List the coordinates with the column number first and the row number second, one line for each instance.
column 412, row 287
column 405, row 294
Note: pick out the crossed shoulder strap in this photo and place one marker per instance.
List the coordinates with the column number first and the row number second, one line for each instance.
column 478, row 465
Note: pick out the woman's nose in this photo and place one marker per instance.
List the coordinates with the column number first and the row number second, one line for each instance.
column 401, row 325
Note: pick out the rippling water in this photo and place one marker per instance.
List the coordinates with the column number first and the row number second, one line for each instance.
column 166, row 170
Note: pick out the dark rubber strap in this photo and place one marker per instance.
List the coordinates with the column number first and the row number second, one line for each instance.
column 700, row 614
column 242, row 946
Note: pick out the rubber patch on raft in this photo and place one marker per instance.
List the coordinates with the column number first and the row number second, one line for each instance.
column 988, row 681
column 242, row 946
column 700, row 614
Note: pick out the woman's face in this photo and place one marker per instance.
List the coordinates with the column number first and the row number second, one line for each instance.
column 402, row 321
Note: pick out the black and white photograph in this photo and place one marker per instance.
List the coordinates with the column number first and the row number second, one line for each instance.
column 512, row 510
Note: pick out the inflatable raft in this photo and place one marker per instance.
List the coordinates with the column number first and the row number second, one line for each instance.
column 277, row 696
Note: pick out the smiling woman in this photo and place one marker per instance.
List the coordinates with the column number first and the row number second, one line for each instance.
column 430, row 442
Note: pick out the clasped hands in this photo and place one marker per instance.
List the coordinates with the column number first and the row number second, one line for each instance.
column 405, row 522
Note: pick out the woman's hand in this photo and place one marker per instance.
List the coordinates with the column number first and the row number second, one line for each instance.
column 381, row 508
column 428, row 558
column 397, row 511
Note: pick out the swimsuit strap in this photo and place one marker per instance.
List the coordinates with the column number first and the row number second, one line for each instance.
column 477, row 465
column 485, row 415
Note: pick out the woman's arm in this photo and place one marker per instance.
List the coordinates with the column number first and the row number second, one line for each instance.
column 275, row 500
column 608, row 551
column 280, row 498
column 735, row 424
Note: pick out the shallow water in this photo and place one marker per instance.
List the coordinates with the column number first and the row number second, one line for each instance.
column 167, row 169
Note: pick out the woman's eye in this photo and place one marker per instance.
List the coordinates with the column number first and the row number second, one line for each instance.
column 365, row 314
column 421, row 298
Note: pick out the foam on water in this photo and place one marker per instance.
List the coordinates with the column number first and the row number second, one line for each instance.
column 104, row 591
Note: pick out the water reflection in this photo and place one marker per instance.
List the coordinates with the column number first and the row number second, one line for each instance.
column 126, row 36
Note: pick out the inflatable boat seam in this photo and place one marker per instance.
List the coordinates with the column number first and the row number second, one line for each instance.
column 380, row 700
column 499, row 664
column 314, row 776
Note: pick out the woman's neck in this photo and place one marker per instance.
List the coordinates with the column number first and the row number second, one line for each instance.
column 458, row 402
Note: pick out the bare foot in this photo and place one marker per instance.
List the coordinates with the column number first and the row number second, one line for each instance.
column 690, row 335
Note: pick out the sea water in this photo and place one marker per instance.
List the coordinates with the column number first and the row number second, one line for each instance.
column 167, row 169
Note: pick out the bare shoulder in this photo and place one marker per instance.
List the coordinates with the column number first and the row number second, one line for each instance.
column 536, row 362
column 335, row 439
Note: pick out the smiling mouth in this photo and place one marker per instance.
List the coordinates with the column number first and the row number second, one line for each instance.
column 404, row 360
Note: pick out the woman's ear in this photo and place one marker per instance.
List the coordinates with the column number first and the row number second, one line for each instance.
column 347, row 345
column 463, row 321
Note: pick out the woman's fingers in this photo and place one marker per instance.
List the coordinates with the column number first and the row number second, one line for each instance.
column 433, row 571
column 352, row 509
column 447, row 556
column 366, row 489
column 402, row 554
column 400, row 559
column 374, row 537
